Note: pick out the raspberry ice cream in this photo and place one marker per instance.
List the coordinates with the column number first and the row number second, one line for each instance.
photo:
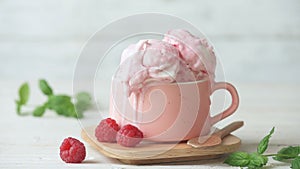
column 196, row 53
column 148, row 62
column 180, row 57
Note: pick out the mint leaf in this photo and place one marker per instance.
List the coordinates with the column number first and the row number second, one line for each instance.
column 39, row 111
column 58, row 100
column 257, row 160
column 241, row 159
column 287, row 153
column 45, row 88
column 83, row 102
column 24, row 93
column 263, row 145
column 23, row 97
column 295, row 164
column 62, row 105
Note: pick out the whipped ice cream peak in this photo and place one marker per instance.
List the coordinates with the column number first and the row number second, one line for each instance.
column 197, row 53
column 148, row 62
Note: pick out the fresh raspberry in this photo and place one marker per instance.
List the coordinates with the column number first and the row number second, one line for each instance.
column 129, row 136
column 72, row 150
column 107, row 130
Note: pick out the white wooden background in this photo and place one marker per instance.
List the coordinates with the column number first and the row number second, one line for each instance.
column 258, row 42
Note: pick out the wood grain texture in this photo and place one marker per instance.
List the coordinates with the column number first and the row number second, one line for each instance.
column 215, row 138
column 153, row 153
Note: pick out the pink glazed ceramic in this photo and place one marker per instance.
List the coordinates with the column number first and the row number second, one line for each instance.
column 171, row 112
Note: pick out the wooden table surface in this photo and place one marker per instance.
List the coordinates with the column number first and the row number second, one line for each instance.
column 29, row 142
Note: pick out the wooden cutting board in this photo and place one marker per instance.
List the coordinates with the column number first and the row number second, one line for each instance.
column 151, row 153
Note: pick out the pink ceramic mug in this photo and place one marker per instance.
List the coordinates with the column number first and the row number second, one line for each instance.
column 171, row 112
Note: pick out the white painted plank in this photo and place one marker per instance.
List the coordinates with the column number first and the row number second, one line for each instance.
column 78, row 19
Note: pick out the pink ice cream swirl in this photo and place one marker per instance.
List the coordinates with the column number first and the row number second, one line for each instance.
column 196, row 53
column 148, row 62
column 179, row 57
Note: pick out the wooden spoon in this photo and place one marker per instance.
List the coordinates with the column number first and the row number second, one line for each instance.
column 215, row 138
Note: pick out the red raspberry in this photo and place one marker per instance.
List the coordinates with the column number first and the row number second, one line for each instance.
column 107, row 130
column 129, row 136
column 72, row 150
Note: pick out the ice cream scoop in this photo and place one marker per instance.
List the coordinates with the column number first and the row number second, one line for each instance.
column 148, row 62
column 179, row 57
column 197, row 54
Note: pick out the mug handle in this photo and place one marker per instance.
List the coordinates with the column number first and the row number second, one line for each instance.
column 234, row 101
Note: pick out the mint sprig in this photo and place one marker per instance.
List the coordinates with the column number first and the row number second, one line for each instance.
column 257, row 159
column 61, row 104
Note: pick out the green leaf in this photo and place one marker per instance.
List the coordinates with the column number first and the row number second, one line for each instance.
column 83, row 102
column 287, row 153
column 263, row 145
column 62, row 105
column 257, row 160
column 58, row 100
column 295, row 164
column 23, row 94
column 23, row 97
column 241, row 159
column 18, row 107
column 39, row 111
column 45, row 88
